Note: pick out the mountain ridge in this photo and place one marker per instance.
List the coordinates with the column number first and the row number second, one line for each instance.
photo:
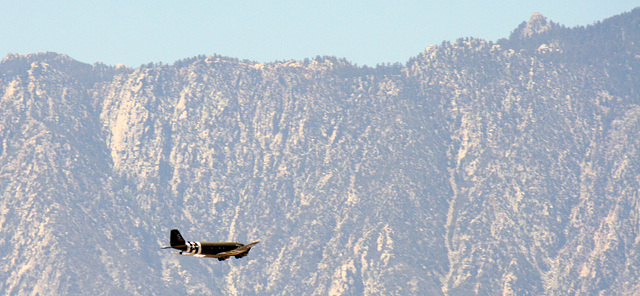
column 476, row 168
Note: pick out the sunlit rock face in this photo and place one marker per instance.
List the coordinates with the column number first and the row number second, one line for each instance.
column 476, row 168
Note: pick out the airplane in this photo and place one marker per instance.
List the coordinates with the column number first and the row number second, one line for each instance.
column 220, row 250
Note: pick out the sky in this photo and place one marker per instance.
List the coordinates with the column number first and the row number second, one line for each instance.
column 365, row 32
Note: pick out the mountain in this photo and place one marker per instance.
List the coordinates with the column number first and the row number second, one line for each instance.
column 508, row 167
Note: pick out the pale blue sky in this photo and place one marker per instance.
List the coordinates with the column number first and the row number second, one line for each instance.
column 135, row 32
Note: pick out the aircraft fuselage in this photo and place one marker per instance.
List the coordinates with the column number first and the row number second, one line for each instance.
column 208, row 248
column 220, row 250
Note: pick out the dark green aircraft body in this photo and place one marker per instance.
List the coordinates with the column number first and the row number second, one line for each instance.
column 220, row 250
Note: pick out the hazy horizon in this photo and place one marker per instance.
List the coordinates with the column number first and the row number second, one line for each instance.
column 140, row 32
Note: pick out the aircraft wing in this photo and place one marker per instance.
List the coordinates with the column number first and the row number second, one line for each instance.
column 234, row 252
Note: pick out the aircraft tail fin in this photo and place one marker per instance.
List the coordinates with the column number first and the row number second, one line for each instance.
column 176, row 239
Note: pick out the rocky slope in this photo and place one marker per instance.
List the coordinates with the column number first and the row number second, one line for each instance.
column 508, row 167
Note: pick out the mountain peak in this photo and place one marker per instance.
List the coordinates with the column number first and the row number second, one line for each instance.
column 537, row 24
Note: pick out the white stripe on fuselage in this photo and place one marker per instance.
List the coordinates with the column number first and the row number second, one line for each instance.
column 194, row 248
